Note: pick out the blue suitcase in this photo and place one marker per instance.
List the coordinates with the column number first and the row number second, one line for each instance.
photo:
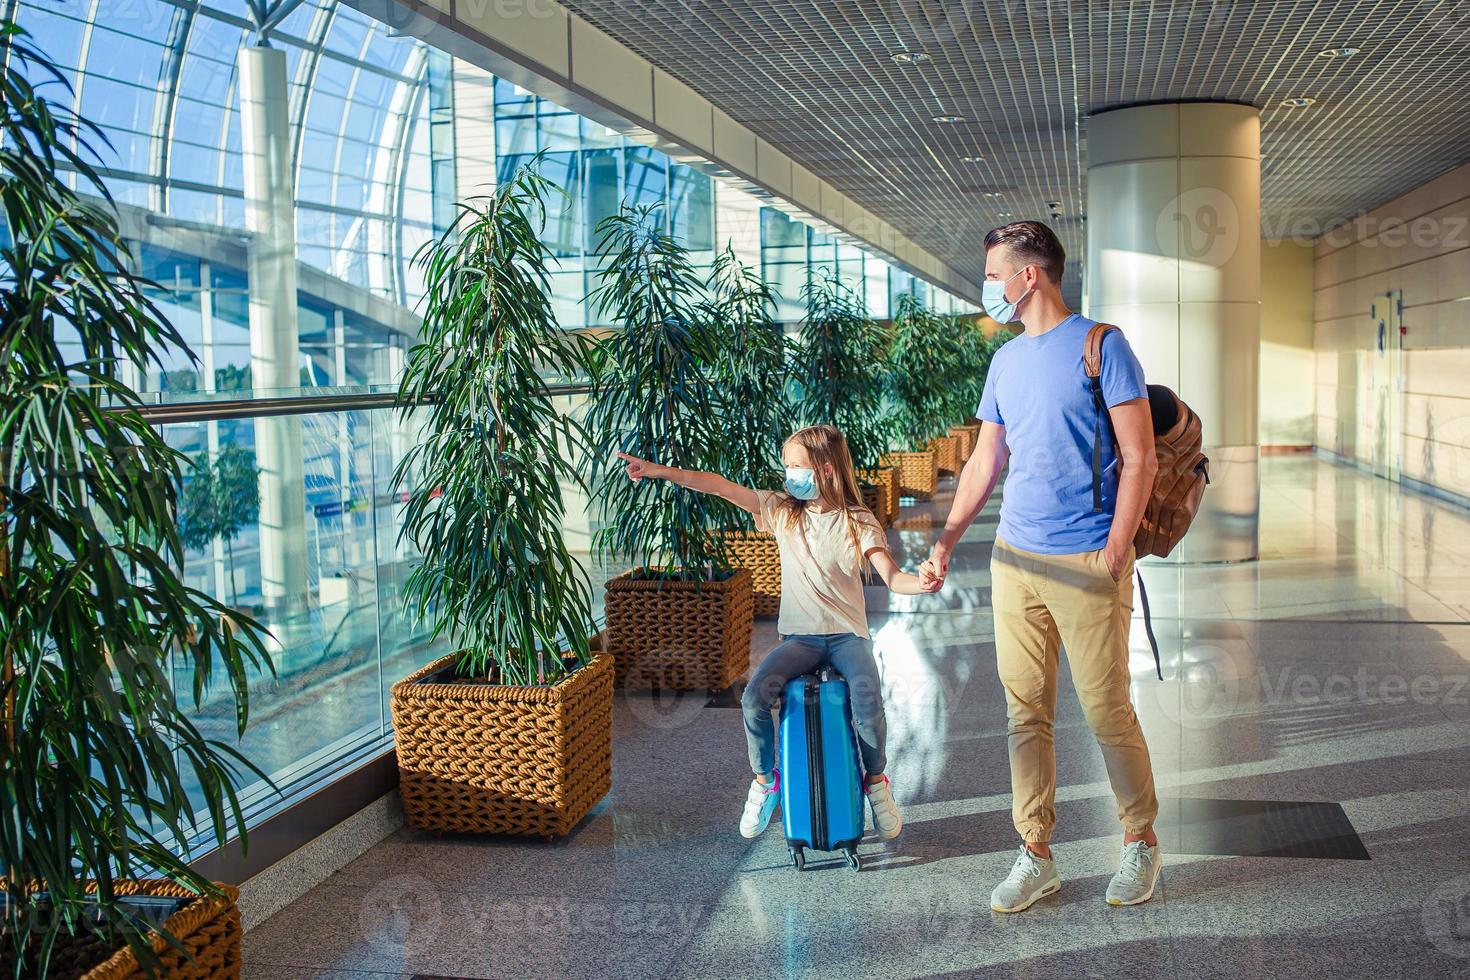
column 821, row 778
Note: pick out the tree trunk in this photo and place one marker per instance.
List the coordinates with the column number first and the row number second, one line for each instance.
column 230, row 563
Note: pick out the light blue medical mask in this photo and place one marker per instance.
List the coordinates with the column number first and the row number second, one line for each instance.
column 801, row 483
column 993, row 298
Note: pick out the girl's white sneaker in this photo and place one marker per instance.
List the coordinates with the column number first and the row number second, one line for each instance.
column 886, row 818
column 760, row 803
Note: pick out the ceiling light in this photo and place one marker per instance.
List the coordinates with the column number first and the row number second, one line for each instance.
column 1339, row 52
column 949, row 119
column 909, row 57
column 1298, row 102
column 972, row 159
column 992, row 195
column 1004, row 214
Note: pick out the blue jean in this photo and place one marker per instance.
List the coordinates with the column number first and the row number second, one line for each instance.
column 806, row 653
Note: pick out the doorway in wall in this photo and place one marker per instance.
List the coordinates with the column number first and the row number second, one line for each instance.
column 1387, row 386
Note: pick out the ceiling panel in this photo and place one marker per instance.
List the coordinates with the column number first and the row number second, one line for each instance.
column 818, row 80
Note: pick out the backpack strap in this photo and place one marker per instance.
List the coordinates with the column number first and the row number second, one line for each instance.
column 1092, row 364
column 1148, row 623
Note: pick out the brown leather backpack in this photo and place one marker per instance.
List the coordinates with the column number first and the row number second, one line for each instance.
column 1184, row 470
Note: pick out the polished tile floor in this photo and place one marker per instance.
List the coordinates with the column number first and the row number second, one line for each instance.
column 1333, row 671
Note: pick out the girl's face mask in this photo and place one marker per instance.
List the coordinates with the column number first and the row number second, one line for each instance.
column 801, row 483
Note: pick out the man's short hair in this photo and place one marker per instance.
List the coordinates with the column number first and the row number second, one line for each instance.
column 1032, row 243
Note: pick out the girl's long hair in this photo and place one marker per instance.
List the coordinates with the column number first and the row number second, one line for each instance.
column 825, row 444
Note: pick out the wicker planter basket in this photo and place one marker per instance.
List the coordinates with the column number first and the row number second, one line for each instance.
column 665, row 634
column 947, row 453
column 887, row 478
column 875, row 498
column 967, row 435
column 208, row 928
column 756, row 552
column 918, row 473
column 503, row 759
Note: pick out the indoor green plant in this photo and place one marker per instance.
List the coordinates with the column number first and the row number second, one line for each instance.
column 967, row 378
column 681, row 616
column 95, row 617
column 977, row 351
column 485, row 513
column 920, row 359
column 840, row 379
column 752, row 370
column 220, row 499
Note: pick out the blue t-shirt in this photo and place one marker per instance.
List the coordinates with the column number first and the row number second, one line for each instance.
column 1038, row 390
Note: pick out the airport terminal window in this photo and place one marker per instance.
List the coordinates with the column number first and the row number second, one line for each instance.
column 375, row 142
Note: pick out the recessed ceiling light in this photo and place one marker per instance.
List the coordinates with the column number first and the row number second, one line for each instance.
column 1298, row 102
column 949, row 119
column 972, row 159
column 1339, row 52
column 1004, row 214
column 992, row 195
column 909, row 57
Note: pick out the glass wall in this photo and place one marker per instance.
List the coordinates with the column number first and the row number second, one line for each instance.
column 385, row 137
column 383, row 134
column 341, row 637
column 595, row 171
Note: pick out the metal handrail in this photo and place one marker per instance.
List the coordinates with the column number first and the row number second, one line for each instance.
column 251, row 408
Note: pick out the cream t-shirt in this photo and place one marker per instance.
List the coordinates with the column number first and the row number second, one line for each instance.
column 821, row 587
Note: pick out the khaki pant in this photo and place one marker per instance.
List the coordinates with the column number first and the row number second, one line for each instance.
column 1041, row 603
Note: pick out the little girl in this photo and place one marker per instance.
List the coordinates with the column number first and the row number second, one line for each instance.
column 826, row 538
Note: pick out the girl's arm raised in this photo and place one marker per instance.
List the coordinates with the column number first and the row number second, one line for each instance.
column 697, row 480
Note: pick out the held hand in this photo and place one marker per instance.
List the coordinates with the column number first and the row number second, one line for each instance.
column 939, row 559
column 929, row 578
column 640, row 468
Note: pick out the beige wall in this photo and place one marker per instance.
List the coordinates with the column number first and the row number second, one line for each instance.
column 1287, row 356
column 1419, row 244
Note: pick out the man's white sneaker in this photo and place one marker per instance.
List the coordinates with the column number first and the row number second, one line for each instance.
column 1032, row 877
column 886, row 818
column 1137, row 875
column 760, row 803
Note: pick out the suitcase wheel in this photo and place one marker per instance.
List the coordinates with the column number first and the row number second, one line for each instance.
column 854, row 860
column 798, row 858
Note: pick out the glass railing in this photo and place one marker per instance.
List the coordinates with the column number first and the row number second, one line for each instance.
column 290, row 513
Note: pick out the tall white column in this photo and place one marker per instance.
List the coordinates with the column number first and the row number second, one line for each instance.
column 275, row 350
column 1174, row 258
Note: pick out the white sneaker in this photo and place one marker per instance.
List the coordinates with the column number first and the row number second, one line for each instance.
column 1137, row 875
column 760, row 803
column 1032, row 877
column 886, row 818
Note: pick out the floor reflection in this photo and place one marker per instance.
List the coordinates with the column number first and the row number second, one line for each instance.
column 1333, row 671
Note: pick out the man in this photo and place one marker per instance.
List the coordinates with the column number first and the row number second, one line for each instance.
column 1061, row 569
